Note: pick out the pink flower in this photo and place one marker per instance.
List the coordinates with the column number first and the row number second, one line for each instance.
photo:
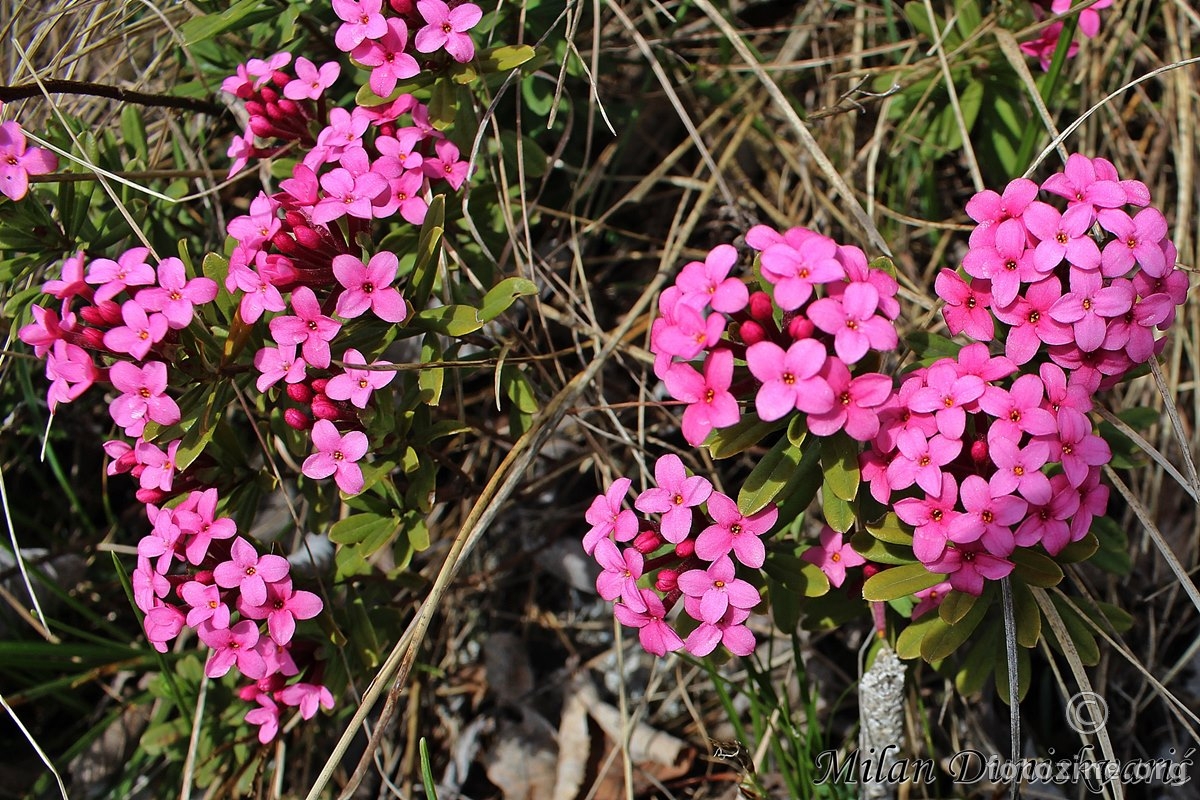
column 196, row 516
column 730, row 631
column 967, row 308
column 656, row 636
column 163, row 623
column 162, row 541
column 1019, row 409
column 369, row 286
column 1044, row 47
column 710, row 592
column 337, row 456
column 361, row 20
column 790, row 379
column 311, row 82
column 348, row 194
column 946, row 396
column 278, row 363
column 795, row 270
column 307, row 697
column 387, row 58
column 206, row 605
column 234, row 645
column 446, row 165
column 674, row 498
column 158, row 467
column 684, row 331
column 1061, row 236
column 930, row 598
column 833, row 556
column 856, row 403
column 852, row 321
column 446, row 28
column 606, row 516
column 71, row 372
column 130, row 269
column 1019, row 468
column 45, row 330
column 1137, row 240
column 266, row 716
column 282, row 608
column 1088, row 303
column 708, row 283
column 249, row 572
column 71, row 283
column 148, row 585
column 1046, row 522
column 310, row 329
column 931, row 518
column 710, row 404
column 733, row 532
column 1076, row 447
column 139, row 333
column 1031, row 323
column 989, row 517
column 1089, row 18
column 142, row 397
column 921, row 460
column 356, row 385
column 175, row 295
column 260, row 295
column 969, row 565
column 18, row 161
column 620, row 576
column 1080, row 184
column 990, row 210
column 1006, row 263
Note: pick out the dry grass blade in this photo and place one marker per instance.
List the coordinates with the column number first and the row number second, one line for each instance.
column 952, row 91
column 1149, row 450
column 62, row 789
column 1016, row 59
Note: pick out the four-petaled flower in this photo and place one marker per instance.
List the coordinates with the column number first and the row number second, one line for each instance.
column 249, row 572
column 834, row 556
column 734, row 532
column 336, row 455
column 446, row 28
column 674, row 498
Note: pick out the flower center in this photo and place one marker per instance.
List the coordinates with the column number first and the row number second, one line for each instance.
column 1131, row 242
column 144, row 392
column 936, row 515
column 1018, row 470
column 363, row 383
column 213, row 604
column 678, row 499
column 987, row 516
column 844, row 398
column 1010, row 265
column 143, row 335
column 1087, row 304
column 924, row 461
column 176, row 295
column 836, row 557
column 368, row 288
column 710, row 395
column 719, row 584
column 1034, row 317
column 788, row 378
column 338, row 455
column 735, row 529
column 852, row 324
column 251, row 570
column 447, row 28
column 948, row 401
column 971, row 302
column 1063, row 238
column 312, row 325
column 1067, row 449
column 1014, row 415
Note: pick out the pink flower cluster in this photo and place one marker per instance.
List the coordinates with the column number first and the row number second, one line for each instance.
column 693, row 540
column 982, row 464
column 18, row 160
column 128, row 314
column 1091, row 302
column 826, row 308
column 1044, row 47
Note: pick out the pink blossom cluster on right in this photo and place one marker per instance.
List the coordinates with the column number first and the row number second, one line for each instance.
column 1090, row 298
column 833, row 308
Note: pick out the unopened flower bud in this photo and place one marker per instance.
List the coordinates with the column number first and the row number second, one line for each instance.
column 269, row 95
column 318, row 385
column 667, row 580
column 297, row 419
column 149, row 496
column 686, row 548
column 324, row 408
column 800, row 328
column 979, row 451
column 761, row 307
column 307, row 237
column 871, row 570
column 751, row 332
column 92, row 338
column 300, row 393
column 646, row 542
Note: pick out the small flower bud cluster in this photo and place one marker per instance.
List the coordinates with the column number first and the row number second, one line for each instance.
column 693, row 553
column 1088, row 285
column 825, row 310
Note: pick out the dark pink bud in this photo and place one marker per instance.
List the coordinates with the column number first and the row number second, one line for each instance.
column 151, row 496
column 761, row 307
column 255, row 108
column 751, row 332
column 667, row 580
column 870, row 570
column 297, row 419
column 92, row 338
column 286, row 244
column 647, row 542
column 979, row 451
column 686, row 548
column 800, row 328
column 262, row 127
column 307, row 237
column 289, row 108
column 300, row 393
column 248, row 693
column 137, row 469
column 324, row 408
column 318, row 385
column 268, row 95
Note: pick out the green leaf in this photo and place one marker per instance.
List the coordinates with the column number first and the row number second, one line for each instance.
column 455, row 320
column 1078, row 631
column 890, row 529
column 443, row 103
column 749, row 431
column 204, row 424
column 968, row 15
column 944, row 639
column 980, row 659
column 785, row 605
column 1082, row 550
column 956, row 606
column 508, row 57
column 929, row 347
column 430, row 379
column 799, row 576
column 908, row 643
column 768, row 477
column 838, row 513
column 425, row 269
column 1023, row 672
column 797, row 430
column 199, row 29
column 881, row 552
column 839, row 462
column 899, row 582
column 1027, row 615
column 1113, row 555
column 1035, row 568
column 133, row 131
column 362, row 530
column 503, row 294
